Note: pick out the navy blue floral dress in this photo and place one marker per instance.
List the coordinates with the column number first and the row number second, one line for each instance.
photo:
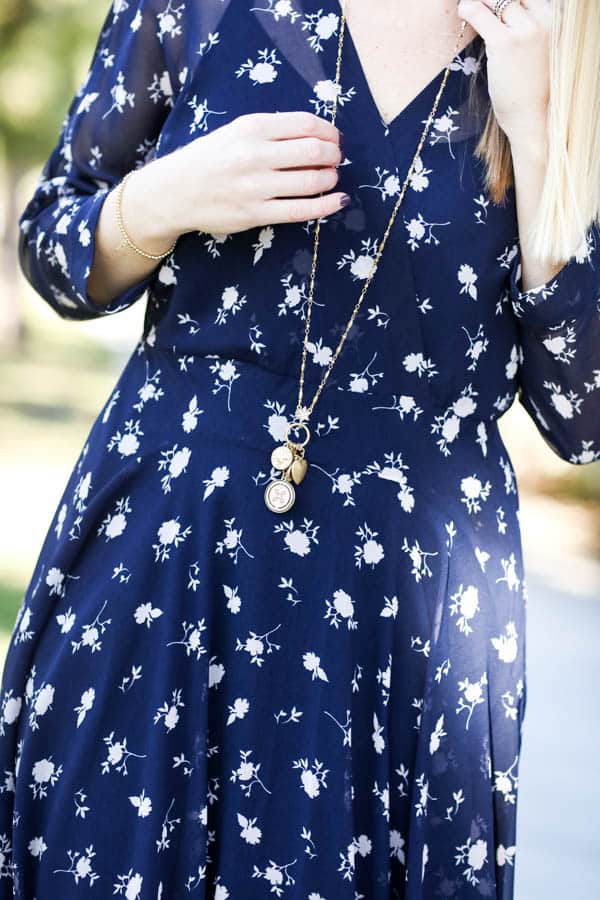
column 203, row 698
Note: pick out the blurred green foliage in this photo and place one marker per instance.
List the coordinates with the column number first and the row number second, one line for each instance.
column 581, row 483
column 45, row 49
column 71, row 380
column 11, row 595
column 52, row 386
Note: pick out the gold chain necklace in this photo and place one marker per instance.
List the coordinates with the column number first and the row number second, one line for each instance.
column 289, row 458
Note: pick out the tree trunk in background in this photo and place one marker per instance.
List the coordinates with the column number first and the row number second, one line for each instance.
column 11, row 317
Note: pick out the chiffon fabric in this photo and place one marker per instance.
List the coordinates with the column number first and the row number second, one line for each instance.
column 202, row 698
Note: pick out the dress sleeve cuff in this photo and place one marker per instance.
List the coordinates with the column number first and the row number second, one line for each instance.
column 77, row 231
column 569, row 294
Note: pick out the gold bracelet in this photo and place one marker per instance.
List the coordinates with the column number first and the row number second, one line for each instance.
column 126, row 239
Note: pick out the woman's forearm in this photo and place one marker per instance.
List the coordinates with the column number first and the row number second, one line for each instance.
column 116, row 266
column 257, row 169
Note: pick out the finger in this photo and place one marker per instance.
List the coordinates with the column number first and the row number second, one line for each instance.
column 541, row 10
column 482, row 19
column 295, row 124
column 301, row 209
column 541, row 6
column 296, row 182
column 304, row 152
column 513, row 15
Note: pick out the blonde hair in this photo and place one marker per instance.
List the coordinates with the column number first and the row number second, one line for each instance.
column 570, row 198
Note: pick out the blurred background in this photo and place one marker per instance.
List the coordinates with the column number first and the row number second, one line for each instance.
column 56, row 375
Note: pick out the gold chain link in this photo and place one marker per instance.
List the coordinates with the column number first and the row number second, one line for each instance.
column 302, row 413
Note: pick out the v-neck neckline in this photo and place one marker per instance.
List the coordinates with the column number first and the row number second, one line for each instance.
column 415, row 100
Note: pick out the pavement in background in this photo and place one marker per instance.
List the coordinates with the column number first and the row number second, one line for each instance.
column 558, row 811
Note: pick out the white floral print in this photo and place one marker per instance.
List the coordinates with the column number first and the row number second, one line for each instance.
column 205, row 699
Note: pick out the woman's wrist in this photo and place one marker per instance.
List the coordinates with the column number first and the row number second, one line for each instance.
column 530, row 147
column 149, row 215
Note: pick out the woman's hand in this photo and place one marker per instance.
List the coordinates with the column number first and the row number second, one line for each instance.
column 258, row 169
column 518, row 57
column 518, row 52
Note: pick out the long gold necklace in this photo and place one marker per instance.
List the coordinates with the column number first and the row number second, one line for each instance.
column 289, row 458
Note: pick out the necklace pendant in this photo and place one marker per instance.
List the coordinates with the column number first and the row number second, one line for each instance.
column 282, row 457
column 298, row 468
column 280, row 495
column 288, row 458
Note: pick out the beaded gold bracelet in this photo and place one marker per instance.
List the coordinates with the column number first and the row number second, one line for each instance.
column 126, row 240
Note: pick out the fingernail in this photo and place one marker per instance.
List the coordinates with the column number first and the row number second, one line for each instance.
column 345, row 199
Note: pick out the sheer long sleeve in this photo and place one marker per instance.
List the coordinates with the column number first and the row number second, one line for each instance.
column 559, row 324
column 112, row 125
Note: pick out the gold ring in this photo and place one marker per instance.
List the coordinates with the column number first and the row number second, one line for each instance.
column 500, row 6
column 293, row 426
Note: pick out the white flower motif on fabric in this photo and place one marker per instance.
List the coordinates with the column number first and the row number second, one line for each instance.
column 263, row 71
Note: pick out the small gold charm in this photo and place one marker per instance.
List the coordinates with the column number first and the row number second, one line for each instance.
column 302, row 415
column 280, row 495
column 282, row 457
column 299, row 467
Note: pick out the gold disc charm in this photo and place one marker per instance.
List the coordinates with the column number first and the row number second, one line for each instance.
column 280, row 495
column 282, row 457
